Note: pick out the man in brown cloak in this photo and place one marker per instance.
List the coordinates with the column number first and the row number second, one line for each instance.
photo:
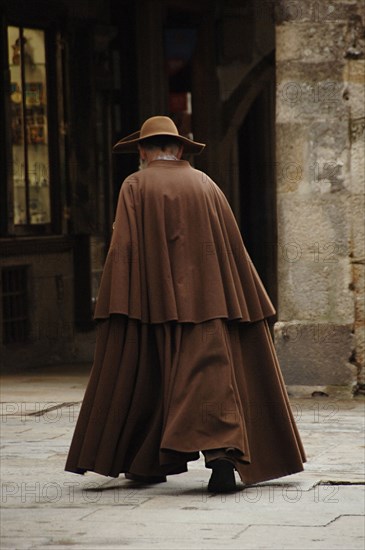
column 184, row 361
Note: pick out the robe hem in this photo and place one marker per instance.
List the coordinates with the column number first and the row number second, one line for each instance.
column 179, row 320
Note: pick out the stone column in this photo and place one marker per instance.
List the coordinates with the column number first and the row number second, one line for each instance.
column 320, row 194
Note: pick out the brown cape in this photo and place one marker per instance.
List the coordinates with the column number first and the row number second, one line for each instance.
column 184, row 361
column 177, row 254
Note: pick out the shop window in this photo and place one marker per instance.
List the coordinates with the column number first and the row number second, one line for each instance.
column 29, row 127
column 14, row 287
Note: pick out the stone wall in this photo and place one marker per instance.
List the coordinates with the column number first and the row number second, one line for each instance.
column 320, row 195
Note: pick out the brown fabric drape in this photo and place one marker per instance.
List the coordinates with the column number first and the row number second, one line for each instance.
column 159, row 394
column 184, row 361
column 176, row 252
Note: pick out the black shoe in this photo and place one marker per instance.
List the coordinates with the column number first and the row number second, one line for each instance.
column 222, row 479
column 145, row 479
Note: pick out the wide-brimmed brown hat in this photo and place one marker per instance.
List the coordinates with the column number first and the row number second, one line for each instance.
column 157, row 126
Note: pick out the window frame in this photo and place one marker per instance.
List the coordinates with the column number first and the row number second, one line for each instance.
column 54, row 74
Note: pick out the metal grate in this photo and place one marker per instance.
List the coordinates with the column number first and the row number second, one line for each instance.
column 15, row 304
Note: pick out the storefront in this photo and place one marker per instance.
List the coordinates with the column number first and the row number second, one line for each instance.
column 58, row 92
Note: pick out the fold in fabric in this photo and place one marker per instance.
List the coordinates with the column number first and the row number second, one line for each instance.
column 177, row 254
column 160, row 393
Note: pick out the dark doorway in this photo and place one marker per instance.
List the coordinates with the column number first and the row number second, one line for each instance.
column 257, row 187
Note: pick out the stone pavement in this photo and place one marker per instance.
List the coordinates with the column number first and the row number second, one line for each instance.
column 45, row 507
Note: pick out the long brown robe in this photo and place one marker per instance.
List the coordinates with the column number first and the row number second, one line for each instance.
column 184, row 360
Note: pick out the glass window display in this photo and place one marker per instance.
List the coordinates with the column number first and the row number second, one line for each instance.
column 29, row 126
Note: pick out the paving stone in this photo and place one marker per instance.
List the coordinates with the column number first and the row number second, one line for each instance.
column 45, row 507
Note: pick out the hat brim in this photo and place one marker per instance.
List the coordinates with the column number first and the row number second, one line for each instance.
column 129, row 143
